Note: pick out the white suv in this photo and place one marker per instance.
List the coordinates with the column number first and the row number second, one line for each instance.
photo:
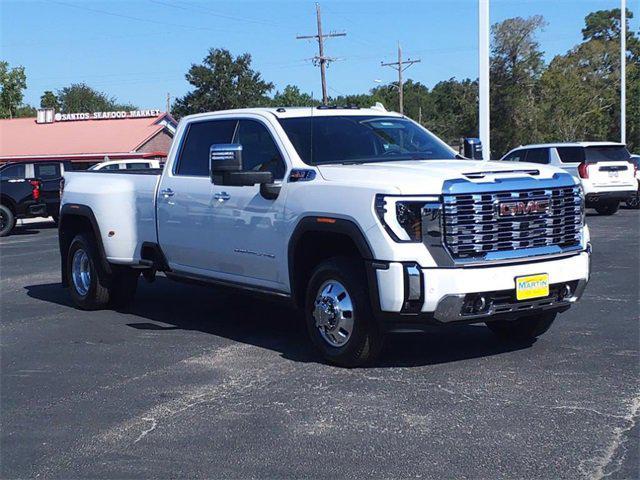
column 605, row 169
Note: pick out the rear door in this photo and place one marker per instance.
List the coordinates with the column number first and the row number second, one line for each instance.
column 610, row 166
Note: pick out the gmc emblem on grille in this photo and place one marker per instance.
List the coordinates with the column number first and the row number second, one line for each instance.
column 511, row 209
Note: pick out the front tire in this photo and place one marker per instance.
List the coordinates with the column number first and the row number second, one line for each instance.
column 338, row 313
column 86, row 289
column 607, row 207
column 7, row 220
column 522, row 329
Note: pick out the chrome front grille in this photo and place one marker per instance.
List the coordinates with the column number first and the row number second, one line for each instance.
column 473, row 227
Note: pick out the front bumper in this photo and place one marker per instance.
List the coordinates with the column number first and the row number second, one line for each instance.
column 439, row 295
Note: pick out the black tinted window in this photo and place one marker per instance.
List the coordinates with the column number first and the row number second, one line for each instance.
column 47, row 171
column 13, row 172
column 538, row 155
column 194, row 155
column 259, row 151
column 517, row 156
column 137, row 166
column 336, row 139
column 571, row 154
column 597, row 154
column 113, row 166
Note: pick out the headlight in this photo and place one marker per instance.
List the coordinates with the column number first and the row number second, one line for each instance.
column 408, row 219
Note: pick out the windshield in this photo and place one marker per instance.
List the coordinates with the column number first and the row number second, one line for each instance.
column 362, row 139
column 606, row 153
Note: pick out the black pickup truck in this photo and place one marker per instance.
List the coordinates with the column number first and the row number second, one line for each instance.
column 27, row 191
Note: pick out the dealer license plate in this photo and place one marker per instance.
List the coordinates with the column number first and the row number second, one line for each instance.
column 532, row 286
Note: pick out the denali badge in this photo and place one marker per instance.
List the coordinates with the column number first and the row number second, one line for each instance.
column 510, row 209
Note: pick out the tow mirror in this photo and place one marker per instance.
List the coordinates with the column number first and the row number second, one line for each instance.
column 225, row 167
column 472, row 148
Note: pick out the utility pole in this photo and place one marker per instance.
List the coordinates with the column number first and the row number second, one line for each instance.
column 484, row 116
column 623, row 71
column 400, row 66
column 168, row 102
column 320, row 59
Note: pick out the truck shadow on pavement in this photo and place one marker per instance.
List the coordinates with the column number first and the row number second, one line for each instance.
column 31, row 228
column 169, row 306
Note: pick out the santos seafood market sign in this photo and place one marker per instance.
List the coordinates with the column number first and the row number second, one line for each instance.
column 65, row 117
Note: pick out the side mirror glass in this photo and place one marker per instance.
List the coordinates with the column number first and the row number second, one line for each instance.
column 225, row 157
column 472, row 148
column 225, row 167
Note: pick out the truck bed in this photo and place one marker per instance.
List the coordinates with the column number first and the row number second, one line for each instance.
column 124, row 205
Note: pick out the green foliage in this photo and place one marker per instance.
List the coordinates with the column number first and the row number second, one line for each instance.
column 49, row 100
column 291, row 96
column 222, row 82
column 516, row 66
column 13, row 81
column 79, row 97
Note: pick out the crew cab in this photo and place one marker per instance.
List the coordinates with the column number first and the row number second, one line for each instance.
column 604, row 169
column 361, row 218
column 20, row 197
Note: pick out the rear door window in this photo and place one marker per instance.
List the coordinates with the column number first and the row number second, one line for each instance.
column 538, row 155
column 194, row 154
column 13, row 172
column 571, row 154
column 136, row 166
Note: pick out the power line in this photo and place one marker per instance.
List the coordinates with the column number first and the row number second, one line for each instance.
column 400, row 66
column 131, row 17
column 321, row 59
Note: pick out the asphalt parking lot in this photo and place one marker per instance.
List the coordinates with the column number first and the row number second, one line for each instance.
column 193, row 382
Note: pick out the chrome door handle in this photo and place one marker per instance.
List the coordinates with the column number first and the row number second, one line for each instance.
column 167, row 192
column 222, row 196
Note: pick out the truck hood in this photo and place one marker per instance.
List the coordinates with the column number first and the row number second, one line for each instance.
column 414, row 177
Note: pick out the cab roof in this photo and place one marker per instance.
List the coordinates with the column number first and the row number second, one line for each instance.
column 572, row 144
column 293, row 112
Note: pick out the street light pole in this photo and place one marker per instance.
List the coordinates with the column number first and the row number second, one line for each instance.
column 483, row 76
column 623, row 71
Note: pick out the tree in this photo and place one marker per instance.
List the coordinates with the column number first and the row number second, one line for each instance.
column 79, row 97
column 580, row 90
column 49, row 100
column 291, row 96
column 516, row 66
column 453, row 111
column 222, row 82
column 13, row 82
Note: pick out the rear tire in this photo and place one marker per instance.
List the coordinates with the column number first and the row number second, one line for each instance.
column 338, row 313
column 608, row 207
column 85, row 287
column 522, row 329
column 7, row 220
column 634, row 202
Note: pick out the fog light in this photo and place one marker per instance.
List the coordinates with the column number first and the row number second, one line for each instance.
column 566, row 292
column 479, row 304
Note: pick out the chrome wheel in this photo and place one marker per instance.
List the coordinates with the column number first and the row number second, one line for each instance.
column 634, row 202
column 333, row 313
column 3, row 220
column 81, row 272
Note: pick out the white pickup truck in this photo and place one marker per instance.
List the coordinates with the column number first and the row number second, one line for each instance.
column 361, row 218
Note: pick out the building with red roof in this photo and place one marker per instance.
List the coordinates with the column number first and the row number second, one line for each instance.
column 87, row 138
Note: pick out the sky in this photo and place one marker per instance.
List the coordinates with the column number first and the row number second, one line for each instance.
column 139, row 50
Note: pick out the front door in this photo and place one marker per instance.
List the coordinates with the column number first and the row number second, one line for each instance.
column 251, row 246
column 186, row 204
